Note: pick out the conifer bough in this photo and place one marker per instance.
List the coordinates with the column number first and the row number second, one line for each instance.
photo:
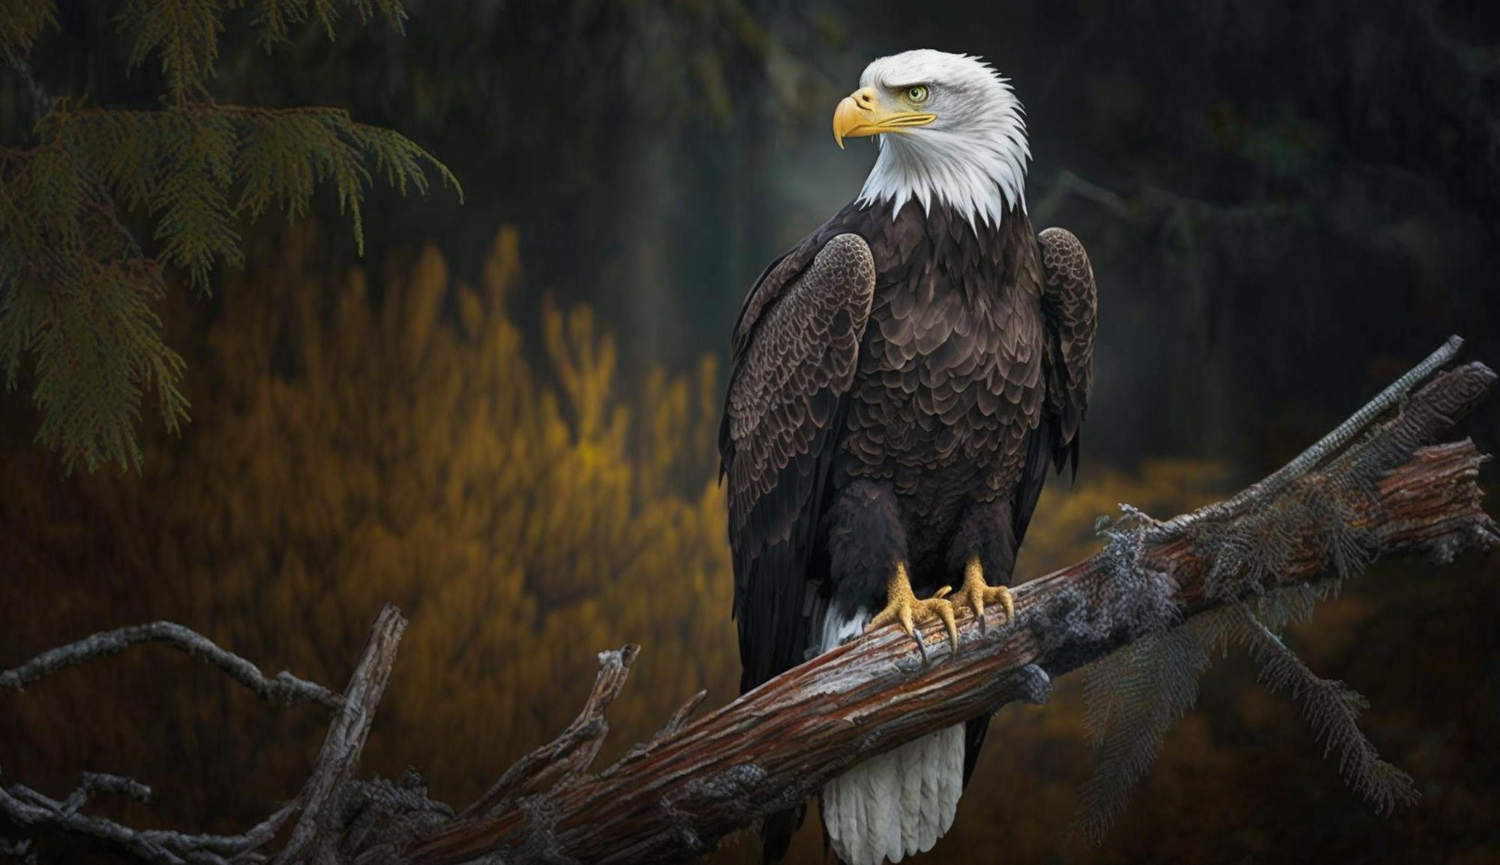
column 1233, row 574
column 77, row 288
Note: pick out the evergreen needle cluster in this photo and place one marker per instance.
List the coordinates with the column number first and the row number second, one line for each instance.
column 77, row 288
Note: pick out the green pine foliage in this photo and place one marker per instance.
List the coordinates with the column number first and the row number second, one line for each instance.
column 276, row 18
column 76, row 297
column 77, row 288
column 21, row 22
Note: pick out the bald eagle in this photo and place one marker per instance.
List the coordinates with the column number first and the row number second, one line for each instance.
column 901, row 381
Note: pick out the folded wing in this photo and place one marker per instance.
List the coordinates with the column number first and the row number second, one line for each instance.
column 796, row 351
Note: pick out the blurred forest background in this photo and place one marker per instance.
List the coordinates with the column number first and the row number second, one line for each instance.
column 502, row 417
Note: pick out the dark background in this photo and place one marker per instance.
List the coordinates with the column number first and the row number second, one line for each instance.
column 1286, row 205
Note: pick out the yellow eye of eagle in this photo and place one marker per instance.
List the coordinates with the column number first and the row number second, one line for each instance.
column 916, row 94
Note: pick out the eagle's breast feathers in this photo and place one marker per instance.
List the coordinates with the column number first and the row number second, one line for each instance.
column 951, row 368
column 920, row 351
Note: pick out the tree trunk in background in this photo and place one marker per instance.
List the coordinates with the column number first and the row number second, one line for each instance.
column 644, row 283
column 1203, row 358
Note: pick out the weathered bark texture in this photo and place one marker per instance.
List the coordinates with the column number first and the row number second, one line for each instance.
column 1376, row 488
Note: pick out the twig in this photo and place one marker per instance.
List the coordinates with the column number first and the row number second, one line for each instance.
column 94, row 783
column 316, row 835
column 683, row 713
column 571, row 753
column 1325, row 447
column 284, row 690
column 33, row 811
column 1148, row 200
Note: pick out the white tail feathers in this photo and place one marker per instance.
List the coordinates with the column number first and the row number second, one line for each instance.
column 900, row 802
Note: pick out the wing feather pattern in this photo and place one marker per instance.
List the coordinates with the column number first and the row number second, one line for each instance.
column 796, row 351
column 1070, row 304
column 1070, row 310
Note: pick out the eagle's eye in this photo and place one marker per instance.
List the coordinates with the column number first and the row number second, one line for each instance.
column 916, row 94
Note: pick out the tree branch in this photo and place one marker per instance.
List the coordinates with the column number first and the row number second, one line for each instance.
column 285, row 689
column 317, row 832
column 32, row 813
column 776, row 746
column 1378, row 485
column 570, row 754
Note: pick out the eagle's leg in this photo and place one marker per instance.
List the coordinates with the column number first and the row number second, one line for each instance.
column 867, row 543
column 985, row 548
column 903, row 606
column 975, row 592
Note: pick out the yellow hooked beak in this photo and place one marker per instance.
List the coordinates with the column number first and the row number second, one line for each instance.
column 860, row 114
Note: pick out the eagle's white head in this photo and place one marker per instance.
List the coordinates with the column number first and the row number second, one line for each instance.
column 950, row 131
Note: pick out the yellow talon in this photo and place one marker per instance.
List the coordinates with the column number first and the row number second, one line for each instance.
column 976, row 593
column 903, row 607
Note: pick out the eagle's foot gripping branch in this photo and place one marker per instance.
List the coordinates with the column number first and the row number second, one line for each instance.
column 976, row 593
column 903, row 607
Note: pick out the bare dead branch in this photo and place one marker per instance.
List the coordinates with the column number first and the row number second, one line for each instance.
column 1327, row 446
column 683, row 713
column 316, row 835
column 33, row 813
column 571, row 753
column 285, row 689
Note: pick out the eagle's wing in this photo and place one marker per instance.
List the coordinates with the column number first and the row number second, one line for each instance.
column 1070, row 306
column 796, row 349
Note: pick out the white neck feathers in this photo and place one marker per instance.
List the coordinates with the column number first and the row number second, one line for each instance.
column 973, row 160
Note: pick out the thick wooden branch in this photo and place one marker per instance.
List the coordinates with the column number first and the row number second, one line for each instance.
column 775, row 747
column 1377, row 485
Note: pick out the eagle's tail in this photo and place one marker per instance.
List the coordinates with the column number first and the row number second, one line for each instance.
column 897, row 803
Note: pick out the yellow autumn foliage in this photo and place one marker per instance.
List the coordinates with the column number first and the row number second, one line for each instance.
column 520, row 511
